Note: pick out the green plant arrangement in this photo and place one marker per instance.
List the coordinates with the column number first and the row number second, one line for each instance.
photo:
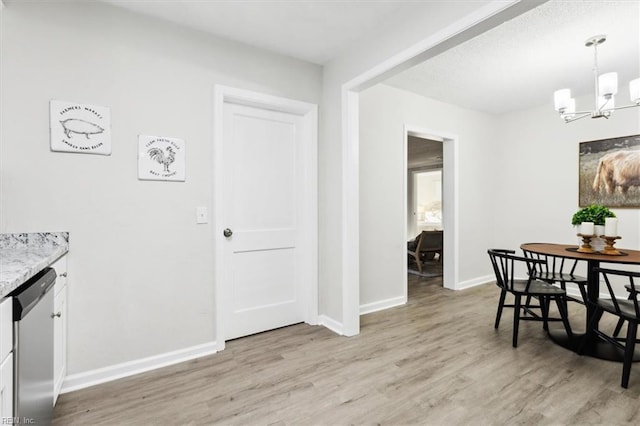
column 595, row 213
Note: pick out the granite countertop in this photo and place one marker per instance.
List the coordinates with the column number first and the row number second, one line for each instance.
column 24, row 255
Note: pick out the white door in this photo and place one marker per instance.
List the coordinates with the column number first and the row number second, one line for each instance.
column 263, row 184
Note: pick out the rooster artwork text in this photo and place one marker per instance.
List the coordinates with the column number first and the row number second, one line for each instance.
column 80, row 128
column 161, row 158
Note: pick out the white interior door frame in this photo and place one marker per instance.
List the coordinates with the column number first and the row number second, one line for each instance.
column 308, row 231
column 483, row 19
column 450, row 204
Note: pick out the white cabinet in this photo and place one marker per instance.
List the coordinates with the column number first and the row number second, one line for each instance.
column 6, row 387
column 59, row 326
column 6, row 359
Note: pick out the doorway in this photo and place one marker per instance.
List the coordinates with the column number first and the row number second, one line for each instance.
column 434, row 151
column 424, row 226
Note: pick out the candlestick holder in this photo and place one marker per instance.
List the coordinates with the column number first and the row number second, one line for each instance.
column 586, row 244
column 608, row 246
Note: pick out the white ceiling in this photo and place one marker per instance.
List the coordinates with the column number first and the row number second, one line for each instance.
column 514, row 66
column 520, row 63
column 312, row 30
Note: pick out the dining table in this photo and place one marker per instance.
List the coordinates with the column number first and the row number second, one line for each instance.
column 588, row 343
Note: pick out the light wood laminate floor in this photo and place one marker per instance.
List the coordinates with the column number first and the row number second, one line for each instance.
column 435, row 361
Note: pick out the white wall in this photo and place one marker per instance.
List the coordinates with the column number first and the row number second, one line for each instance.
column 141, row 275
column 518, row 177
column 384, row 111
column 538, row 159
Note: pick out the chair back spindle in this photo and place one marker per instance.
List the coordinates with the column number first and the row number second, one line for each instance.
column 558, row 270
column 504, row 265
column 503, row 262
column 632, row 287
column 627, row 310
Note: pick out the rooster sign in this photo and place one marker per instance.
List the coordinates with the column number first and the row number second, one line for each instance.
column 161, row 158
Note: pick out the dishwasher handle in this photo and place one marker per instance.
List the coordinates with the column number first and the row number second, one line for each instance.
column 29, row 294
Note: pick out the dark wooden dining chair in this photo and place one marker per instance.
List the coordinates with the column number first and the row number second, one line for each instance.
column 427, row 245
column 620, row 323
column 626, row 309
column 558, row 270
column 504, row 264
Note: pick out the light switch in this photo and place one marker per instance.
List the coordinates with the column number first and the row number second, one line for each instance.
column 201, row 215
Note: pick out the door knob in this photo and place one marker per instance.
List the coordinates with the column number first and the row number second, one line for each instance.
column 227, row 232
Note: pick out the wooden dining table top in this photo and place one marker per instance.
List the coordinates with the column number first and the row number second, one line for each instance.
column 568, row 251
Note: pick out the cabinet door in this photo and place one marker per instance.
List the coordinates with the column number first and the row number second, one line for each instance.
column 6, row 388
column 59, row 341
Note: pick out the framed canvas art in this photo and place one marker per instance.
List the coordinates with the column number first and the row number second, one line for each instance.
column 609, row 172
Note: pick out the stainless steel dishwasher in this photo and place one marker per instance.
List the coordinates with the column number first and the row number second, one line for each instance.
column 33, row 349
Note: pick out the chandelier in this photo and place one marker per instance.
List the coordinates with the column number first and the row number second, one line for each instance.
column 606, row 87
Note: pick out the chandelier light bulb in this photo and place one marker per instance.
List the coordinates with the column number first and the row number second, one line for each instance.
column 608, row 84
column 561, row 99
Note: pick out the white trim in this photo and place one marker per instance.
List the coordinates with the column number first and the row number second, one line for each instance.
column 218, row 256
column 456, row 33
column 476, row 282
column 350, row 214
column 89, row 378
column 419, row 52
column 382, row 304
column 404, row 278
column 451, row 220
column 575, row 293
column 572, row 289
column 331, row 324
column 308, row 230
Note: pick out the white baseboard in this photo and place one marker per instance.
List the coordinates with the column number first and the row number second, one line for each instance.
column 475, row 282
column 382, row 304
column 106, row 374
column 331, row 324
column 572, row 289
